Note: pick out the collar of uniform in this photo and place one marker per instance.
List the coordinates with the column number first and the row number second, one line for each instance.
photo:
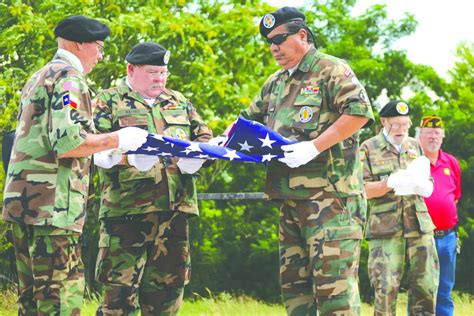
column 73, row 60
column 126, row 90
column 382, row 140
column 308, row 60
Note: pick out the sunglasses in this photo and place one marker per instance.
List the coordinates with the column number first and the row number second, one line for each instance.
column 280, row 38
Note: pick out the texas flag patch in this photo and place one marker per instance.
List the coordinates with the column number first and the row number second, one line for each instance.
column 69, row 100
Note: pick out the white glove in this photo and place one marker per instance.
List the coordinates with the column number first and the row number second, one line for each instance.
column 131, row 138
column 190, row 165
column 217, row 141
column 142, row 162
column 398, row 179
column 299, row 154
column 107, row 158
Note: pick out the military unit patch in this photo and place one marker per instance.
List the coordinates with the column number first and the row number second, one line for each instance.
column 71, row 86
column 306, row 114
column 402, row 108
column 309, row 90
column 362, row 155
column 166, row 58
column 268, row 21
column 70, row 100
column 348, row 72
column 181, row 134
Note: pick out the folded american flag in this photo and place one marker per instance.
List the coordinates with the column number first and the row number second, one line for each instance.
column 247, row 141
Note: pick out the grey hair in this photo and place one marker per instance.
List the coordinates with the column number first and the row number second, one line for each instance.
column 296, row 25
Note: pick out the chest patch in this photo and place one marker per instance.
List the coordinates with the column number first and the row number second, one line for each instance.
column 180, row 133
column 306, row 114
column 447, row 172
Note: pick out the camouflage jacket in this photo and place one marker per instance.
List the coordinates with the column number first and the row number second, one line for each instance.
column 54, row 117
column 301, row 107
column 126, row 190
column 393, row 215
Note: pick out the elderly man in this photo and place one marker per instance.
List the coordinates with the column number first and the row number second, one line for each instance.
column 399, row 229
column 317, row 100
column 144, row 260
column 48, row 176
column 442, row 206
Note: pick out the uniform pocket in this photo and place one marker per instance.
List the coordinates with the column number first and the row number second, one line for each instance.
column 384, row 220
column 177, row 123
column 314, row 176
column 133, row 117
column 137, row 188
column 340, row 262
column 78, row 190
column 306, row 111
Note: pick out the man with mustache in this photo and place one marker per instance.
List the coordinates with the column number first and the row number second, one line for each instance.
column 317, row 100
column 48, row 175
column 399, row 229
column 442, row 206
column 143, row 259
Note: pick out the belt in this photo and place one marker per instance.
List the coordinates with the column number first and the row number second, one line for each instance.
column 442, row 233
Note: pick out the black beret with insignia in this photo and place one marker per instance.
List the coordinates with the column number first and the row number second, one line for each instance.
column 395, row 108
column 281, row 16
column 148, row 53
column 79, row 28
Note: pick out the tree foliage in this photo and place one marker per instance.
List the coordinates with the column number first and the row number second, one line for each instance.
column 219, row 61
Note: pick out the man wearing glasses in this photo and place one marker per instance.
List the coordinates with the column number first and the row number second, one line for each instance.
column 317, row 100
column 143, row 259
column 442, row 206
column 399, row 229
column 48, row 175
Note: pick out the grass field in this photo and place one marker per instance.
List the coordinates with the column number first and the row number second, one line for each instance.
column 227, row 305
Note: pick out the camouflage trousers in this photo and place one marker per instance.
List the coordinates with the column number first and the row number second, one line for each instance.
column 387, row 260
column 50, row 270
column 320, row 244
column 144, row 263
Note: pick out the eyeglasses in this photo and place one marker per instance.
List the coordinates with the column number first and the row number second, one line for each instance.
column 280, row 38
column 398, row 126
column 163, row 74
column 100, row 47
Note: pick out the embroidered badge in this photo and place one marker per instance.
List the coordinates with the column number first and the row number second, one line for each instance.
column 71, row 86
column 309, row 90
column 447, row 172
column 402, row 108
column 268, row 21
column 181, row 134
column 347, row 72
column 69, row 100
column 166, row 58
column 306, row 114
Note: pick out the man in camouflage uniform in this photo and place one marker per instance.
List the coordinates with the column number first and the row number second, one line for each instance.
column 399, row 229
column 48, row 175
column 144, row 260
column 315, row 99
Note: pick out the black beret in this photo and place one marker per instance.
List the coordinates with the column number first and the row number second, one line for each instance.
column 79, row 28
column 148, row 53
column 281, row 16
column 395, row 108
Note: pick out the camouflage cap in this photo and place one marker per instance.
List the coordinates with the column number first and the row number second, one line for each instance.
column 395, row 108
column 281, row 16
column 79, row 28
column 432, row 121
column 148, row 53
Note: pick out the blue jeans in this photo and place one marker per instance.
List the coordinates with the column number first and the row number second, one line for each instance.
column 446, row 247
